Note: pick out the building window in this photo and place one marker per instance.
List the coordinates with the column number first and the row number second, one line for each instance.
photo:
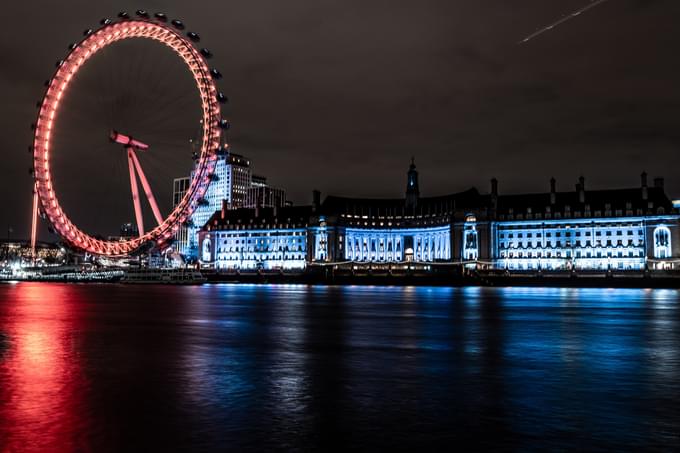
column 470, row 242
column 662, row 242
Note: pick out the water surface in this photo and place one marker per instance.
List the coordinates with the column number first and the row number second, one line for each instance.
column 286, row 367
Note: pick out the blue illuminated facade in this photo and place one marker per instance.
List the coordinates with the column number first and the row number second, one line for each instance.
column 622, row 230
column 398, row 244
column 606, row 230
column 256, row 239
column 591, row 244
column 273, row 248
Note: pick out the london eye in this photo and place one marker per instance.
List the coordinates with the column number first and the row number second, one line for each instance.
column 120, row 108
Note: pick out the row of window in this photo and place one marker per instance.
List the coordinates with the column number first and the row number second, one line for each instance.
column 575, row 233
column 298, row 248
column 576, row 243
column 585, row 264
column 259, row 256
column 576, row 254
column 268, row 234
column 260, row 240
column 568, row 213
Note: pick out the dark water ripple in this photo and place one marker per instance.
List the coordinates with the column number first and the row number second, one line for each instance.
column 266, row 368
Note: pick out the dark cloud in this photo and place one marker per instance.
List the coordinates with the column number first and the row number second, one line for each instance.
column 339, row 95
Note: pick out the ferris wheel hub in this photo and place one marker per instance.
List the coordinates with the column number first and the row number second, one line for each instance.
column 127, row 141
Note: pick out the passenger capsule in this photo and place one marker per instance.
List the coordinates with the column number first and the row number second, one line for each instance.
column 224, row 124
column 206, row 53
column 178, row 24
column 221, row 98
column 87, row 32
column 142, row 13
column 105, row 21
column 161, row 16
column 123, row 15
column 72, row 46
column 215, row 74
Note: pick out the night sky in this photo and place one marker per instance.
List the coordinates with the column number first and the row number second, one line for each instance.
column 337, row 96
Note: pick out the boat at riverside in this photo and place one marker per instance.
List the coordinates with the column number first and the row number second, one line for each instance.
column 169, row 276
column 64, row 273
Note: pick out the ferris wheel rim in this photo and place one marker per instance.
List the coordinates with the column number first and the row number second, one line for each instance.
column 95, row 40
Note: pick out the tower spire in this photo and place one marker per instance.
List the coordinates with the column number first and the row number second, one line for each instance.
column 412, row 190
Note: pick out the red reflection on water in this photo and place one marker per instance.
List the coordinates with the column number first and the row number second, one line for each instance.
column 40, row 378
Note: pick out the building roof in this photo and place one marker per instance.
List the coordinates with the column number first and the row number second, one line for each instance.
column 284, row 217
column 593, row 200
column 441, row 205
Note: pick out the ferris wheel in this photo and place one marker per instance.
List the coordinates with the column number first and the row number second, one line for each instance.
column 97, row 145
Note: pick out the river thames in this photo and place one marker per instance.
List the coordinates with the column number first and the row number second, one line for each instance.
column 244, row 367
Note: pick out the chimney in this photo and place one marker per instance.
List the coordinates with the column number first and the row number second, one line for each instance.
column 494, row 193
column 658, row 183
column 581, row 189
column 552, row 190
column 316, row 200
column 643, row 182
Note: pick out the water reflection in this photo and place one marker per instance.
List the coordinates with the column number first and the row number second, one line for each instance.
column 41, row 384
column 291, row 367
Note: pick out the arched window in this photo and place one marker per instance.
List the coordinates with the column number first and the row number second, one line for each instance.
column 470, row 242
column 662, row 242
column 206, row 255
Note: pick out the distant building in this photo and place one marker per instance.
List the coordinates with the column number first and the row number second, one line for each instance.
column 179, row 189
column 240, row 180
column 262, row 195
column 580, row 230
column 265, row 197
column 16, row 253
column 230, row 181
column 258, row 181
column 126, row 232
column 129, row 230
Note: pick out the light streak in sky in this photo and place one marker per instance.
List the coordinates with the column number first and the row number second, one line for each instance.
column 590, row 5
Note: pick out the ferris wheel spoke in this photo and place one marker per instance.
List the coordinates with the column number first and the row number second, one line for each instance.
column 135, row 192
column 147, row 188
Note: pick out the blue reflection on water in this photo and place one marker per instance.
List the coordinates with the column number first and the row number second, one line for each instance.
column 259, row 367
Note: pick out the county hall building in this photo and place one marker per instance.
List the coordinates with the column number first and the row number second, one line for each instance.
column 579, row 230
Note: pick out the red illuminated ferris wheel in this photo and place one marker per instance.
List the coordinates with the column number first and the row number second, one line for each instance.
column 155, row 28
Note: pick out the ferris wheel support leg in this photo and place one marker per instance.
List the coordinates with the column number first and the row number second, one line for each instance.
column 34, row 224
column 135, row 192
column 147, row 190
